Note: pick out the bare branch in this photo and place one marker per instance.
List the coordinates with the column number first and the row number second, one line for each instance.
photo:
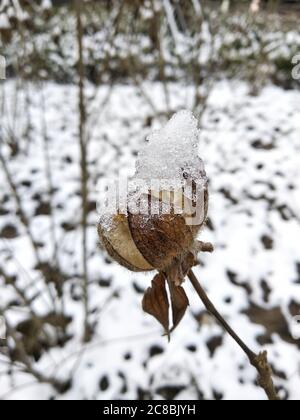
column 260, row 361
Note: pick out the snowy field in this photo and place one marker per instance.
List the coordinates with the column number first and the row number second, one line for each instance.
column 250, row 146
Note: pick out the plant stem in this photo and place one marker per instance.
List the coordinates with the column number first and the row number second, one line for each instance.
column 260, row 361
column 83, row 165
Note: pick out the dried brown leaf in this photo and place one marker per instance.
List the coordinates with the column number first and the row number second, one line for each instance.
column 179, row 301
column 156, row 302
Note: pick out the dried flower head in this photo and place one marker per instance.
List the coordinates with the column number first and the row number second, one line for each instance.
column 166, row 207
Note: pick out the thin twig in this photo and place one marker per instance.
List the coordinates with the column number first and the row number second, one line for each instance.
column 25, row 360
column 83, row 165
column 48, row 172
column 260, row 361
column 25, row 221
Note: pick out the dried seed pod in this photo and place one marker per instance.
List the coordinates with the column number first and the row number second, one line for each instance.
column 163, row 238
column 160, row 238
column 148, row 242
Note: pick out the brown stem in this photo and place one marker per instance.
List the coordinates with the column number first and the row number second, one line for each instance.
column 26, row 222
column 260, row 361
column 83, row 164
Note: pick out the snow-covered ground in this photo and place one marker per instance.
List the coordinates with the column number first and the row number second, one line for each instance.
column 251, row 148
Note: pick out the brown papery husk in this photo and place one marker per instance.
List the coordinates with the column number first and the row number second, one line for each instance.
column 160, row 238
column 137, row 264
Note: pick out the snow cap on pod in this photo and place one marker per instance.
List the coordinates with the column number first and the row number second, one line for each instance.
column 144, row 242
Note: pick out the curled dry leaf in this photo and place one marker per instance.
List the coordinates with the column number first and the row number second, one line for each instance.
column 179, row 301
column 156, row 301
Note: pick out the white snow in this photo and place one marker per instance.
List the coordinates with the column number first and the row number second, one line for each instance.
column 46, row 4
column 4, row 22
column 250, row 146
column 172, row 152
